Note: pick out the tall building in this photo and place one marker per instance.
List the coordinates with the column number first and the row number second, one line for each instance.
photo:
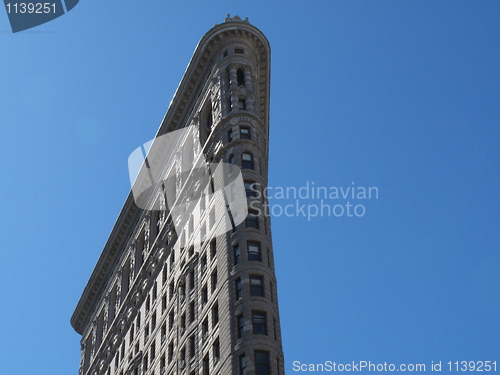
column 187, row 298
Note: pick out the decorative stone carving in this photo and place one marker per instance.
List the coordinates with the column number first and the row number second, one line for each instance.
column 235, row 19
column 249, row 87
column 147, row 229
column 118, row 295
column 106, row 319
column 169, row 232
column 93, row 340
column 225, row 93
column 163, row 210
column 82, row 356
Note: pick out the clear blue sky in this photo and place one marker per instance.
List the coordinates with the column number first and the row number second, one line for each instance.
column 402, row 96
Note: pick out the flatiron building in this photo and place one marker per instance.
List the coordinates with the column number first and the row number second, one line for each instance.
column 191, row 299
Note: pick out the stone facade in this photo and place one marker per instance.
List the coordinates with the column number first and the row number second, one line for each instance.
column 155, row 307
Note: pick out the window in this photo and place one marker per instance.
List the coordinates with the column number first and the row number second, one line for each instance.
column 254, row 251
column 203, row 263
column 165, row 274
column 236, row 251
column 212, row 189
column 241, row 326
column 211, row 218
column 204, row 295
column 146, row 333
column 238, row 50
column 163, row 331
column 243, row 365
column 216, row 350
column 164, row 303
column 246, row 160
column 170, row 291
column 214, row 280
column 145, row 363
column 153, row 351
column 245, row 133
column 183, row 356
column 183, row 323
column 202, row 202
column 162, row 364
column 240, row 76
column 250, row 189
column 191, row 251
column 206, row 366
column 274, row 329
column 192, row 312
column 171, row 320
column 204, row 327
column 215, row 314
column 153, row 322
column 172, row 261
column 259, row 323
column 242, row 104
column 230, row 135
column 256, row 286
column 203, row 231
column 170, row 351
column 213, row 248
column 191, row 226
column 132, row 333
column 148, row 303
column 231, row 159
column 183, row 290
column 192, row 343
column 239, row 293
column 262, row 363
column 191, row 279
column 252, row 220
column 155, row 291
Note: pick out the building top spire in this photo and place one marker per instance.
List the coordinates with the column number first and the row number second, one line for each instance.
column 235, row 19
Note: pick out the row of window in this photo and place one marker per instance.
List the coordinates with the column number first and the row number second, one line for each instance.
column 253, row 254
column 187, row 352
column 170, row 321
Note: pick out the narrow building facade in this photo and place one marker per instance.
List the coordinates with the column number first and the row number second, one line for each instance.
column 187, row 298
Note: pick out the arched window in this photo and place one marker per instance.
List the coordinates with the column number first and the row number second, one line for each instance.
column 246, row 161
